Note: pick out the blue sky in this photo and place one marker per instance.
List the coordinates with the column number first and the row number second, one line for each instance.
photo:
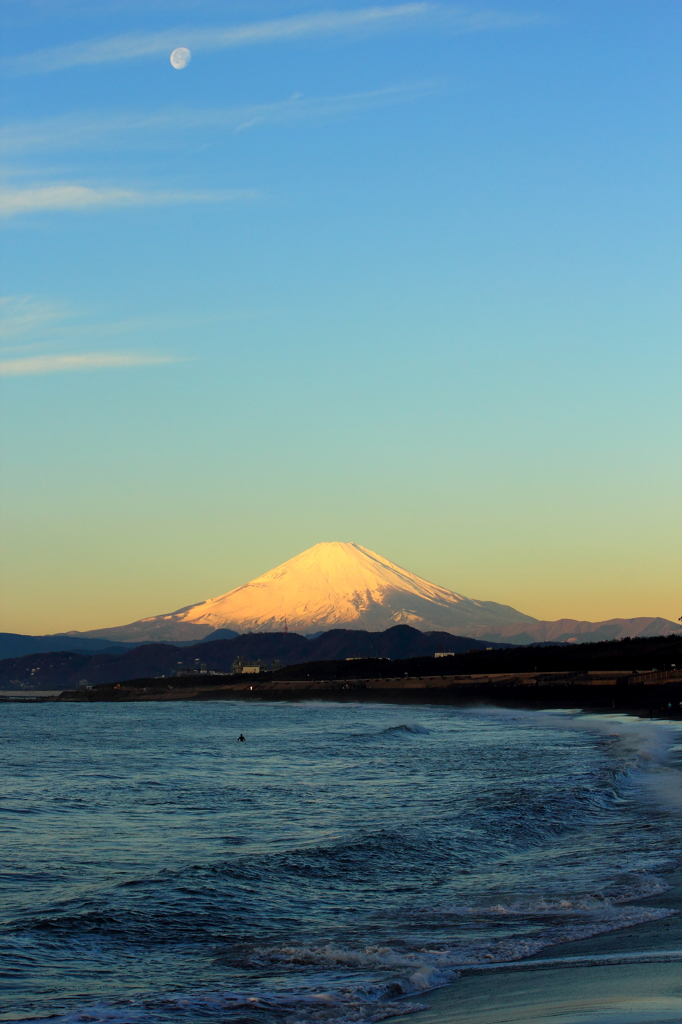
column 402, row 274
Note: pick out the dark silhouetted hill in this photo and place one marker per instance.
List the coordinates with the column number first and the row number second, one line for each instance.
column 59, row 670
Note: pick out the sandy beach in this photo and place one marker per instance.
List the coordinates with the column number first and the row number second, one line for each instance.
column 629, row 976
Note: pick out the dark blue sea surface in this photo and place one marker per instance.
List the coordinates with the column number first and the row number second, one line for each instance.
column 339, row 862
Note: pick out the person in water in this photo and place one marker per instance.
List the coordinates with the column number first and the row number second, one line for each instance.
column 241, row 738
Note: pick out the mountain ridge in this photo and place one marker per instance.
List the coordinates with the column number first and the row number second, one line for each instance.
column 342, row 585
column 333, row 585
column 61, row 669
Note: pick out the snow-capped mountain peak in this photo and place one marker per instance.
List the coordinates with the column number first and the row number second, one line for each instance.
column 344, row 585
column 329, row 585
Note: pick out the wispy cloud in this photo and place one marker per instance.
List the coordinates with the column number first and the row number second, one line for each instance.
column 22, row 315
column 127, row 47
column 33, row 331
column 64, row 196
column 29, row 322
column 74, row 130
column 35, row 365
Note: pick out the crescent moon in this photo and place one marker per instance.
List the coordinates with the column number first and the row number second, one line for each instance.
column 180, row 58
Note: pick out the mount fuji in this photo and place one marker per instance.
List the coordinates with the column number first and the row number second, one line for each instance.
column 343, row 585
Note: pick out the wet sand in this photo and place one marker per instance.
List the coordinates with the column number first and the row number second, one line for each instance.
column 629, row 976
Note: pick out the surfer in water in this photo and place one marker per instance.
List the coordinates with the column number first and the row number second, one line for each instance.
column 241, row 738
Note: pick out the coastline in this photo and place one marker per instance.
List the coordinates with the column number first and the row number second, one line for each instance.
column 650, row 695
column 629, row 976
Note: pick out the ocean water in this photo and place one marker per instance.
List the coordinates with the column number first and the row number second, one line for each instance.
column 341, row 861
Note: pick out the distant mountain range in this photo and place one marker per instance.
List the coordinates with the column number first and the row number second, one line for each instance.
column 17, row 645
column 66, row 669
column 345, row 586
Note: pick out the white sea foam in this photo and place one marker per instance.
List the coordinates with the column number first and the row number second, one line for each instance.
column 398, row 973
column 645, row 747
column 595, row 906
column 421, row 970
column 645, row 956
column 650, row 740
column 664, row 785
column 318, row 1007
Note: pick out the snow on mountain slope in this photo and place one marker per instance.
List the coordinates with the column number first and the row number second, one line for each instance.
column 330, row 585
column 343, row 585
column 333, row 585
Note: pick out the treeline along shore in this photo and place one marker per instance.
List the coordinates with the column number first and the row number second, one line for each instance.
column 63, row 668
column 642, row 676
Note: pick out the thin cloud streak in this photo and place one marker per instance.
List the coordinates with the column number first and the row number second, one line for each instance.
column 63, row 196
column 23, row 314
column 37, row 365
column 28, row 322
column 74, row 130
column 130, row 46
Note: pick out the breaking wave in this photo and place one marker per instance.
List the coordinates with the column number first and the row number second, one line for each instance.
column 404, row 974
column 648, row 753
column 413, row 728
column 332, row 869
column 396, row 729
